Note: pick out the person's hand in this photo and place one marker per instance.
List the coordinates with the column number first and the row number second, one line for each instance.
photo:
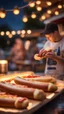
column 51, row 54
column 42, row 52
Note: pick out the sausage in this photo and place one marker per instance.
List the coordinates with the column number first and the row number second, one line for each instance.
column 7, row 100
column 39, row 85
column 23, row 91
column 42, row 79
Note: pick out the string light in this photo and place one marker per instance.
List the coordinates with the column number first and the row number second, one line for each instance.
column 29, row 31
column 16, row 10
column 60, row 6
column 32, row 4
column 13, row 32
column 18, row 32
column 56, row 13
column 10, row 35
column 33, row 15
column 49, row 3
column 42, row 17
column 23, row 31
column 2, row 33
column 7, row 32
column 25, row 19
column 38, row 2
column 39, row 8
column 2, row 13
column 49, row 11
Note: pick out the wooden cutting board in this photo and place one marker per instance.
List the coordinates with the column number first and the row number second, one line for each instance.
column 33, row 104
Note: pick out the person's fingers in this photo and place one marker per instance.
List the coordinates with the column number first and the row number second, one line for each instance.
column 42, row 52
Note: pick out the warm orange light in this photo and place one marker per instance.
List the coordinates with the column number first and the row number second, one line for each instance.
column 29, row 31
column 60, row 6
column 3, row 61
column 32, row 4
column 2, row 13
column 39, row 8
column 23, row 31
column 13, row 32
column 10, row 35
column 2, row 33
column 33, row 15
column 7, row 32
column 38, row 2
column 49, row 11
column 56, row 13
column 16, row 11
column 49, row 3
column 25, row 19
column 18, row 32
column 43, row 17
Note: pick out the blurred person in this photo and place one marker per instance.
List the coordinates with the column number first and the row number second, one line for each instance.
column 53, row 50
column 18, row 52
column 33, row 49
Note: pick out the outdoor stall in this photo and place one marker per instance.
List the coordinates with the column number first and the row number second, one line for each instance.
column 32, row 57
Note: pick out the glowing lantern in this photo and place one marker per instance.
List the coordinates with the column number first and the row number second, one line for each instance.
column 16, row 11
column 2, row 13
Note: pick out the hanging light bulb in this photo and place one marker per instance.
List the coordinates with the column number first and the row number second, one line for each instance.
column 25, row 19
column 32, row 4
column 18, row 32
column 13, row 32
column 56, row 13
column 16, row 10
column 2, row 13
column 38, row 2
column 10, row 35
column 7, row 32
column 2, row 33
column 59, row 6
column 49, row 3
column 39, row 8
column 29, row 31
column 23, row 31
column 33, row 15
column 49, row 11
column 42, row 18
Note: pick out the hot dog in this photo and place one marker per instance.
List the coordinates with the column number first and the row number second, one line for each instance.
column 40, row 85
column 23, row 91
column 42, row 79
column 37, row 57
column 7, row 100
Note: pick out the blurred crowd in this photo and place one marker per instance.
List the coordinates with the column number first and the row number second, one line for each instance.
column 20, row 52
